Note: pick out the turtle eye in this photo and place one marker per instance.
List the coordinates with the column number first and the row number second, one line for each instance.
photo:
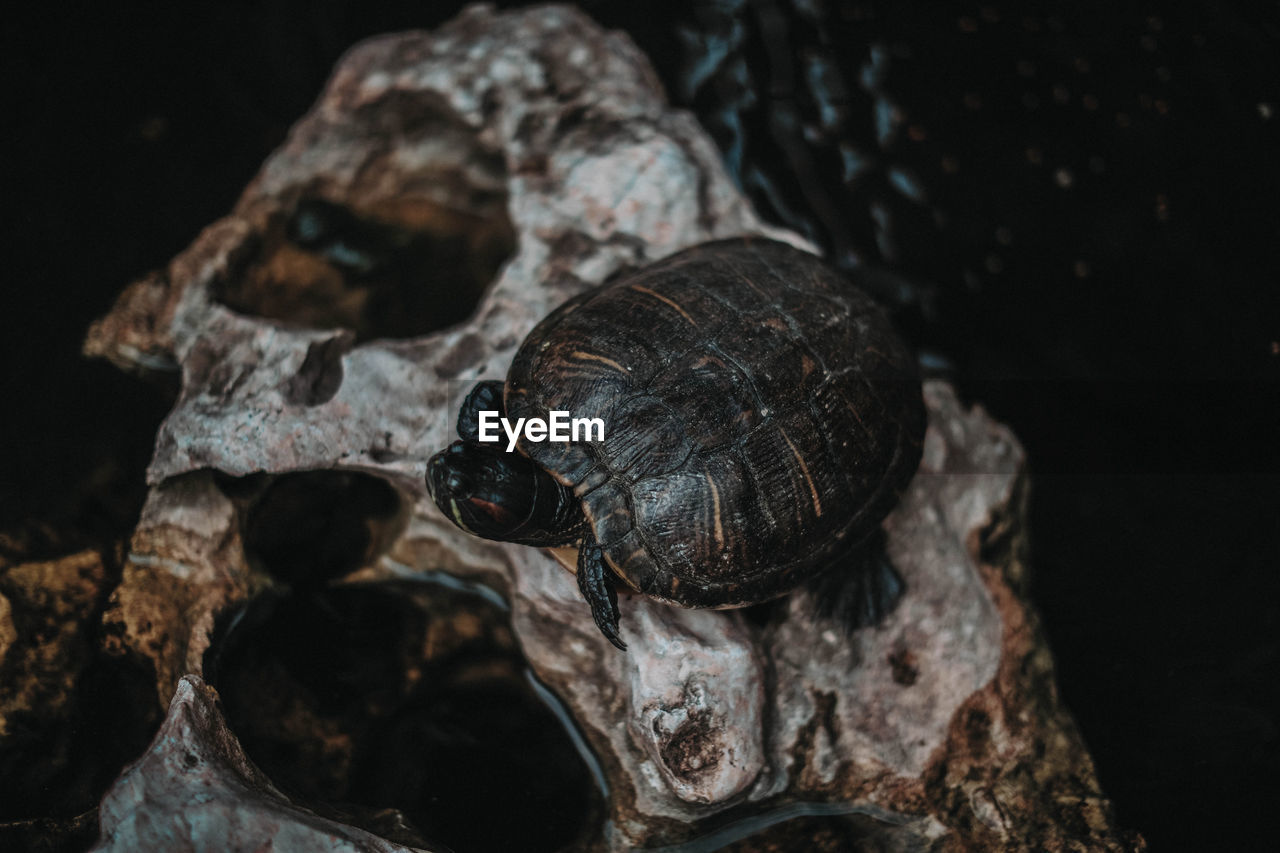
column 459, row 485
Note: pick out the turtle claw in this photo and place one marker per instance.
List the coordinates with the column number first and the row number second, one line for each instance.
column 598, row 590
column 610, row 633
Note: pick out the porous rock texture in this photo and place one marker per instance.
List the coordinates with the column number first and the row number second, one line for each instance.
column 938, row 729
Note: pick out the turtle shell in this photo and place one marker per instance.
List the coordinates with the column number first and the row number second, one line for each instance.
column 760, row 414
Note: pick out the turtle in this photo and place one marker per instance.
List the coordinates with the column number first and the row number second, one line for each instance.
column 761, row 418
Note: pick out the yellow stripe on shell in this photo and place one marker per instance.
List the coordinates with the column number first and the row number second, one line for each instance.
column 589, row 356
column 642, row 289
column 715, row 509
column 804, row 469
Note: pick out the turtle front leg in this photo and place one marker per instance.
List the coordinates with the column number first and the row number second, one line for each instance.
column 597, row 588
column 485, row 397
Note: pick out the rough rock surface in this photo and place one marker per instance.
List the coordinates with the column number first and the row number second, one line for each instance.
column 940, row 728
column 194, row 789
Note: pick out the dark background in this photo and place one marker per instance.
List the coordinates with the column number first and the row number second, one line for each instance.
column 1128, row 328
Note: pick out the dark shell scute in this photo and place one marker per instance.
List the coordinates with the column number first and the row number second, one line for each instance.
column 711, row 493
column 646, row 439
column 576, row 357
column 714, row 393
column 791, row 467
column 850, row 413
column 779, row 355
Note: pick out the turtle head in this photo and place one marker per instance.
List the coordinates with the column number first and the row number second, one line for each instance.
column 495, row 494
